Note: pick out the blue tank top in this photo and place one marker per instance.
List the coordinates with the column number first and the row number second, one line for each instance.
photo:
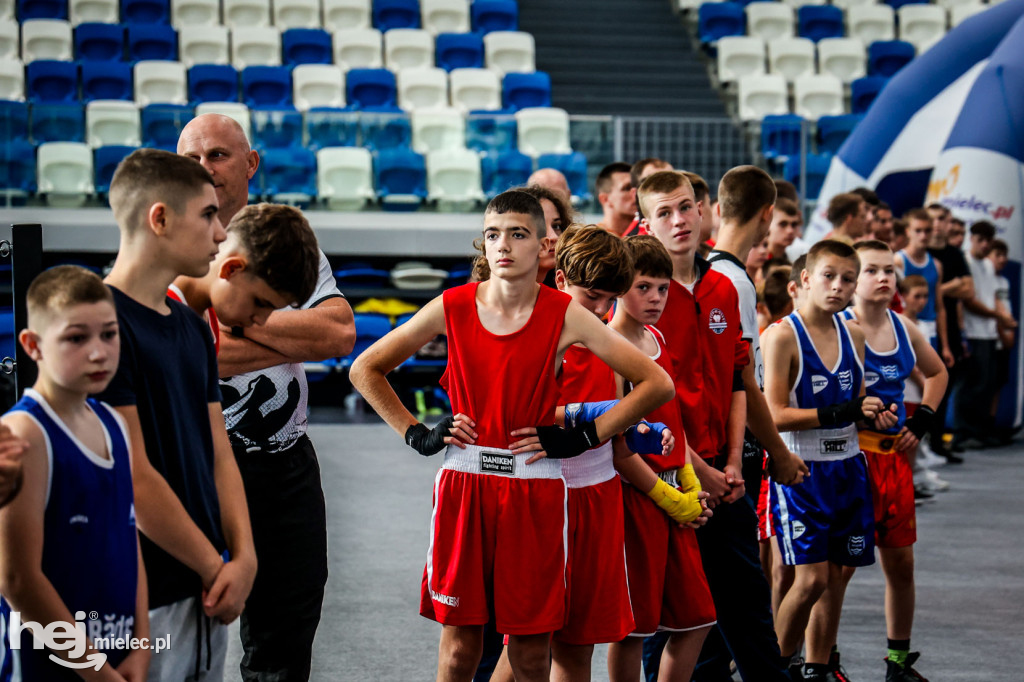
column 816, row 385
column 90, row 552
column 931, row 275
column 885, row 374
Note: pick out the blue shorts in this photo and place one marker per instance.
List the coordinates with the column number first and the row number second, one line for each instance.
column 828, row 517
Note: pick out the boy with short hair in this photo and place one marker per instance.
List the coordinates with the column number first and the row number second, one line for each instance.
column 916, row 260
column 68, row 542
column 667, row 586
column 269, row 261
column 784, row 240
column 506, row 339
column 893, row 346
column 190, row 500
column 615, row 195
column 815, row 390
column 848, row 214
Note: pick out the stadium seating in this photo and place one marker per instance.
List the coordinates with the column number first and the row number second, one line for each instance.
column 289, row 14
column 204, row 45
column 64, row 172
column 818, row 95
column 112, row 122
column 12, row 80
column 160, row 82
column 306, row 46
column 17, row 168
column 525, row 90
column 289, row 175
column 434, row 129
column 833, row 131
column 408, row 48
column 459, row 50
column 769, row 20
column 163, row 123
column 212, row 83
column 267, row 86
column 453, row 176
column 255, row 46
column 330, row 127
column 145, row 11
column 762, row 95
column 246, row 14
column 13, row 121
column 739, row 56
column 543, row 130
column 474, row 90
column 194, row 13
column 504, row 170
column 105, row 160
column 345, row 177
column 42, row 9
column 959, row 12
column 886, row 57
column 392, row 14
column 51, row 82
column 99, row 42
column 816, row 169
column 574, row 167
column 358, row 48
column 844, row 58
column 871, row 22
column 510, row 51
column 106, row 80
column 820, row 21
column 719, row 19
column 445, row 16
column 373, row 89
column 401, row 178
column 10, row 39
column 921, row 25
column 385, row 131
column 780, row 136
column 863, row 92
column 318, row 85
column 494, row 15
column 152, row 41
column 84, row 11
column 422, row 88
column 791, row 57
column 46, row 39
column 487, row 132
column 346, row 14
column 57, row 123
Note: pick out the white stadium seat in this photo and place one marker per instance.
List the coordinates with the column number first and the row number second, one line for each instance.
column 246, row 13
column 408, row 47
column 510, row 52
column 453, row 177
column 346, row 14
column 344, row 177
column 844, row 58
column 769, row 20
column 422, row 88
column 474, row 89
column 195, row 13
column 296, row 14
column 255, row 46
column 112, row 122
column 99, row 11
column 762, row 95
column 739, row 56
column 792, row 57
column 203, row 45
column 358, row 48
column 871, row 23
column 921, row 25
column 817, row 95
column 46, row 39
column 318, row 85
column 543, row 130
column 160, row 82
column 64, row 173
column 445, row 16
column 434, row 129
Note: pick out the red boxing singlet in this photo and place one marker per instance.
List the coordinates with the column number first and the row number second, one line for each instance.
column 502, row 382
column 174, row 292
column 585, row 378
column 668, row 414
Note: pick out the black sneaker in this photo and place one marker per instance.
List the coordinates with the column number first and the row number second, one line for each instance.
column 835, row 668
column 796, row 671
column 894, row 672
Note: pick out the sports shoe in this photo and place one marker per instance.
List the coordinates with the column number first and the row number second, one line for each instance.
column 835, row 668
column 930, row 481
column 796, row 670
column 927, row 457
column 905, row 673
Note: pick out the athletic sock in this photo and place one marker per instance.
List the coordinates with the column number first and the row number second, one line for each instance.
column 898, row 651
column 815, row 670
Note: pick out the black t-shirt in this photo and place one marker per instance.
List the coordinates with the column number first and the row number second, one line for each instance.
column 168, row 371
column 953, row 265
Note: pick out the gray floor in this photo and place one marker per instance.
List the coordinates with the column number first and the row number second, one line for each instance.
column 969, row 576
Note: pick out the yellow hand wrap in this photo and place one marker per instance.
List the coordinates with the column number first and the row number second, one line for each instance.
column 681, row 507
column 688, row 481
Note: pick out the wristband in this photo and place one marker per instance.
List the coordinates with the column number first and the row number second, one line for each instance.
column 577, row 413
column 922, row 421
column 688, row 481
column 428, row 441
column 645, row 443
column 561, row 443
column 842, row 413
column 681, row 507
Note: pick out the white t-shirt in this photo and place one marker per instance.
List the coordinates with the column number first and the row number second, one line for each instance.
column 266, row 410
column 730, row 266
column 984, row 275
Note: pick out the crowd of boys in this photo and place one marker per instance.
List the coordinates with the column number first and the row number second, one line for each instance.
column 678, row 432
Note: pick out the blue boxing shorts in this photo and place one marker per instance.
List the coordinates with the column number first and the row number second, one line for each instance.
column 828, row 517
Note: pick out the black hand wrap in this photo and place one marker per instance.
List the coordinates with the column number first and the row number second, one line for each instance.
column 429, row 441
column 841, row 413
column 561, row 443
column 922, row 421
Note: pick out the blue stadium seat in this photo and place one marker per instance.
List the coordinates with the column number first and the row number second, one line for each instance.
column 99, row 42
column 358, row 275
column 385, row 131
column 863, row 92
column 833, row 131
column 13, row 121
column 719, row 19
column 494, row 15
column 780, row 135
column 817, row 169
column 162, row 124
column 574, row 167
column 276, row 128
column 8, row 332
column 401, row 178
column 886, row 57
column 490, row 133
column 522, row 90
column 42, row 9
column 306, row 46
column 212, row 83
column 820, row 21
column 459, row 50
column 145, row 11
column 267, row 86
column 152, row 41
column 289, row 172
column 58, row 123
column 106, row 80
column 369, row 328
column 372, row 89
column 389, row 14
column 51, row 82
column 896, row 4
column 328, row 127
column 105, row 160
column 503, row 170
column 17, row 166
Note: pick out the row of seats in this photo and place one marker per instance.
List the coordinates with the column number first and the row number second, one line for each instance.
column 502, row 51
column 343, row 177
column 687, row 5
column 307, row 86
column 920, row 24
column 533, row 132
column 436, row 16
column 814, row 95
column 793, row 58
column 781, row 135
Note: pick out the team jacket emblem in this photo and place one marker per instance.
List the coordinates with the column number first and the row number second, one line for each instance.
column 716, row 321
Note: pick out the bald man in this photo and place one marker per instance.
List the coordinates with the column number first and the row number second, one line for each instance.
column 552, row 179
column 265, row 396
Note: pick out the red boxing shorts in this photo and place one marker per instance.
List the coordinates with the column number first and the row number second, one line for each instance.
column 765, row 527
column 598, row 595
column 498, row 528
column 666, row 577
column 892, row 486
